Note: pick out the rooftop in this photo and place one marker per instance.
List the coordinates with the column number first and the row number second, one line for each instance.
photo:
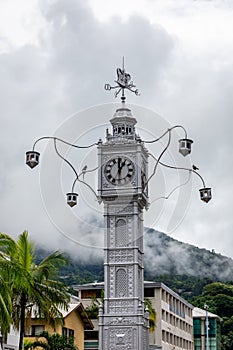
column 197, row 312
column 147, row 284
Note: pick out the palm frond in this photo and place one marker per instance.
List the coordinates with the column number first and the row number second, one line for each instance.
column 29, row 284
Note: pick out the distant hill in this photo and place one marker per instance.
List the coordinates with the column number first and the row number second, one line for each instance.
column 166, row 255
column 183, row 267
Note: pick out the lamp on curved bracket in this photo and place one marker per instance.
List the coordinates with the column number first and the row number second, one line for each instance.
column 72, row 199
column 32, row 158
column 185, row 146
column 205, row 194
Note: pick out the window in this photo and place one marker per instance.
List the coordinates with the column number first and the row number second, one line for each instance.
column 172, row 320
column 163, row 315
column 197, row 344
column 37, row 330
column 163, row 335
column 91, row 335
column 149, row 292
column 212, row 344
column 67, row 332
column 212, row 326
column 197, row 327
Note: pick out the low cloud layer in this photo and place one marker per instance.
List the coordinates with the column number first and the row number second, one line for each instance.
column 186, row 80
column 164, row 255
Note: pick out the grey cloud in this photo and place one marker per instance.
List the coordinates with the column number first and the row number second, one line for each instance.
column 163, row 255
column 42, row 85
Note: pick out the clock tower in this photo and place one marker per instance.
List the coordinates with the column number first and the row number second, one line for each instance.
column 122, row 187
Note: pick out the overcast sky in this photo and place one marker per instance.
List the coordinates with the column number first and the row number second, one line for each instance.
column 56, row 56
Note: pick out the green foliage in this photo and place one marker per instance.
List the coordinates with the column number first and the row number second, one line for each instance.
column 5, row 302
column 51, row 342
column 29, row 283
column 28, row 344
column 223, row 305
column 227, row 341
column 219, row 297
column 199, row 288
column 218, row 288
column 185, row 285
column 152, row 314
column 172, row 257
column 79, row 273
column 93, row 309
column 227, row 325
column 187, row 276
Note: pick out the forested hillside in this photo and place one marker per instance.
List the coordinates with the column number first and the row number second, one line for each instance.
column 183, row 267
column 166, row 255
column 195, row 274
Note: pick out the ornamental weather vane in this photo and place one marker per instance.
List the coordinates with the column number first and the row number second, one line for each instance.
column 123, row 82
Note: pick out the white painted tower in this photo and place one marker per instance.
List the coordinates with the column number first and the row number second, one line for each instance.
column 123, row 169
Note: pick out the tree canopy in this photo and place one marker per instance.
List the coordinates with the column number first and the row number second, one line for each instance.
column 219, row 298
column 29, row 284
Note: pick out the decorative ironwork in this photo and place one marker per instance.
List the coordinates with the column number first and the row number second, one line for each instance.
column 123, row 82
column 123, row 322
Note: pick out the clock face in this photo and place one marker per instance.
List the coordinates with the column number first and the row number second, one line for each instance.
column 119, row 170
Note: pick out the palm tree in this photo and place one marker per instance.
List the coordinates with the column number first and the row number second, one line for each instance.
column 5, row 306
column 31, row 284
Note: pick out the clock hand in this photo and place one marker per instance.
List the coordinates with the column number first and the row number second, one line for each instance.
column 122, row 164
column 119, row 164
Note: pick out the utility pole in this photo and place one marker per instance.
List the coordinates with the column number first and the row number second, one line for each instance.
column 206, row 307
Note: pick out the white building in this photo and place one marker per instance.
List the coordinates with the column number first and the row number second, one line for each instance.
column 174, row 322
column 12, row 340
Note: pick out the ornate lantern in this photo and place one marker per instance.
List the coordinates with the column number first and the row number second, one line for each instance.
column 185, row 146
column 205, row 194
column 72, row 199
column 32, row 158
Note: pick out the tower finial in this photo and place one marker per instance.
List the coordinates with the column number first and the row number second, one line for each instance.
column 123, row 82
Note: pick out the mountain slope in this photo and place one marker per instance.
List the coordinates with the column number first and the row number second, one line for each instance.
column 166, row 255
column 166, row 259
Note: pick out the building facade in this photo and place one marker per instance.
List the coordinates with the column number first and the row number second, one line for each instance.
column 174, row 322
column 201, row 320
column 75, row 319
column 75, row 323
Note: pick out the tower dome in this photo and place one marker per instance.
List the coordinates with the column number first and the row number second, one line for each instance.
column 123, row 124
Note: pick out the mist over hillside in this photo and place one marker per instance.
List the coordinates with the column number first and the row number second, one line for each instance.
column 164, row 255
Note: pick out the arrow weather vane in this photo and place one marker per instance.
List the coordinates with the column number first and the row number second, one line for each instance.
column 123, row 82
